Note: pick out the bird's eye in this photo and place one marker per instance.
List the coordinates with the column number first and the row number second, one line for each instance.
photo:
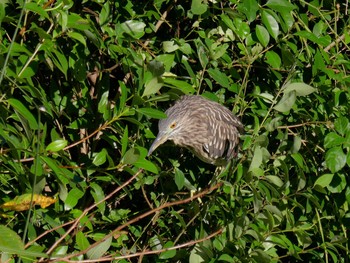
column 173, row 125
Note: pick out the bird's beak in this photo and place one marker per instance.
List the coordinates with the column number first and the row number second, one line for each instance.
column 160, row 139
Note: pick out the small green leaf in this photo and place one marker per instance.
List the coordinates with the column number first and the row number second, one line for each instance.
column 280, row 5
column 273, row 59
column 198, row 8
column 300, row 88
column 287, row 102
column 134, row 28
column 257, row 158
column 35, row 8
column 262, row 35
column 179, row 178
column 98, row 195
column 275, row 180
column 180, row 85
column 324, row 180
column 73, row 197
column 100, row 158
column 156, row 68
column 203, row 56
column 270, row 23
column 125, row 140
column 170, row 46
column 152, row 86
column 147, row 165
column 333, row 139
column 152, row 113
column 248, row 8
column 341, row 125
column 81, row 240
column 335, row 159
column 219, row 77
column 77, row 36
column 57, row 145
column 21, row 109
column 98, row 251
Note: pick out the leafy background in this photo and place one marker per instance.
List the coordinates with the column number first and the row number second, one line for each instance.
column 82, row 86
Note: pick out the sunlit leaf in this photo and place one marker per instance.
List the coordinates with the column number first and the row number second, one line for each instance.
column 57, row 145
column 98, row 250
column 287, row 102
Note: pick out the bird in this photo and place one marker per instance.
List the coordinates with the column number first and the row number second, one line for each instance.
column 206, row 128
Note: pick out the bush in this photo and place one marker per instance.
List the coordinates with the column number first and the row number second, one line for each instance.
column 83, row 85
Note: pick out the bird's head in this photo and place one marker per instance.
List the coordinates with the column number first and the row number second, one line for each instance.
column 168, row 129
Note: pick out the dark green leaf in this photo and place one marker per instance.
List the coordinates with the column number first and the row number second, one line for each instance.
column 335, row 159
column 152, row 113
column 219, row 77
column 21, row 109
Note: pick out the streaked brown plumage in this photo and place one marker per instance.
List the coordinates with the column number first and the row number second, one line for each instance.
column 205, row 127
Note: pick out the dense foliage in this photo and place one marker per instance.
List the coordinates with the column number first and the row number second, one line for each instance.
column 82, row 86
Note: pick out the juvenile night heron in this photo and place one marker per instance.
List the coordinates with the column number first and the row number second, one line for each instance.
column 205, row 127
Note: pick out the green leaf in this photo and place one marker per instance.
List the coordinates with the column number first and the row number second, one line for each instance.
column 156, row 68
column 280, row 5
column 147, row 165
column 72, row 198
column 170, row 46
column 287, row 102
column 341, row 125
column 125, row 140
column 249, row 8
column 273, row 59
column 100, row 158
column 257, row 158
column 300, row 88
column 179, row 178
column 198, row 8
column 324, row 180
column 262, row 35
column 134, row 28
column 180, row 85
column 57, row 145
column 24, row 112
column 81, row 240
column 335, row 159
column 152, row 86
column 219, row 77
column 270, row 23
column 170, row 253
column 99, row 250
column 332, row 139
column 9, row 240
column 77, row 36
column 98, row 195
column 203, row 56
column 35, row 8
column 152, row 113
